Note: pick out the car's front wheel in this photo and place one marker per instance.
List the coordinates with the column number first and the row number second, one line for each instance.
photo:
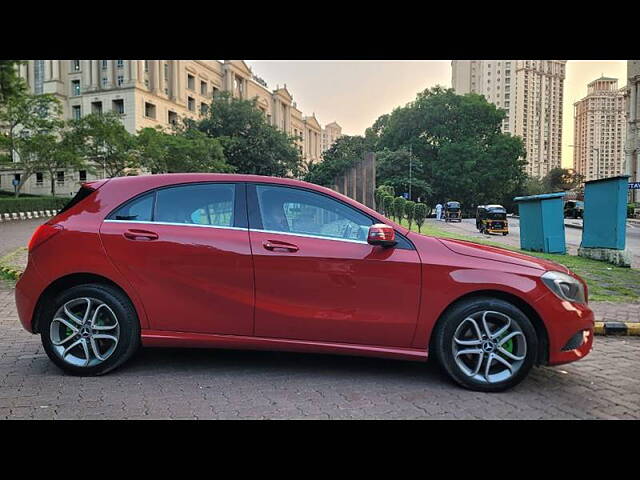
column 90, row 329
column 486, row 344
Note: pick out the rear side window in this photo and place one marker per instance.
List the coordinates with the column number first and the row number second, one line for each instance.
column 209, row 204
column 140, row 209
column 83, row 193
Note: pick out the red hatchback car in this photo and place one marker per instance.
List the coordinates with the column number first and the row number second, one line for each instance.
column 242, row 261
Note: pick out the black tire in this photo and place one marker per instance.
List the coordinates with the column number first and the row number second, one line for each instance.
column 453, row 318
column 128, row 325
column 505, row 233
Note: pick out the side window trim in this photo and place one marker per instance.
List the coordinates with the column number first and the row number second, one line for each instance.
column 240, row 221
column 255, row 218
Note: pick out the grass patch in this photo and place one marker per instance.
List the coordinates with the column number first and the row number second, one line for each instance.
column 606, row 282
column 11, row 265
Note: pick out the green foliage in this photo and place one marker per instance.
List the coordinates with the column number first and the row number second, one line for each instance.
column 29, row 124
column 409, row 211
column 398, row 208
column 420, row 213
column 103, row 139
column 342, row 155
column 561, row 180
column 187, row 151
column 630, row 209
column 392, row 168
column 458, row 148
column 11, row 85
column 31, row 204
column 387, row 202
column 250, row 144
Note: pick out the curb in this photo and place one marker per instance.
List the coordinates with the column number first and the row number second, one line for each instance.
column 617, row 328
column 8, row 217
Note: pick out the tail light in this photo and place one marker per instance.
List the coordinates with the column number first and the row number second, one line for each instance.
column 44, row 233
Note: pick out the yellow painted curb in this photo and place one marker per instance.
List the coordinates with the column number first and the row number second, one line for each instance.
column 599, row 328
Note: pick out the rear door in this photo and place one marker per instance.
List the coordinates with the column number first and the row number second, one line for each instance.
column 185, row 249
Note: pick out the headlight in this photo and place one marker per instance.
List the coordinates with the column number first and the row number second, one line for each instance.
column 565, row 286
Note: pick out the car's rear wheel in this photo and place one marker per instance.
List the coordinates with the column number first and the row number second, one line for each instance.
column 486, row 344
column 90, row 329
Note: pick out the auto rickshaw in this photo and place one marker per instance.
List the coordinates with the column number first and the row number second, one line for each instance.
column 492, row 219
column 452, row 212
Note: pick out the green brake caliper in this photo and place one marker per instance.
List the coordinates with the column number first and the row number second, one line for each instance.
column 508, row 345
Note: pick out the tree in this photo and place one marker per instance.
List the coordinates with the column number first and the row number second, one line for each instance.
column 398, row 208
column 409, row 211
column 24, row 119
column 420, row 213
column 392, row 168
column 387, row 201
column 53, row 152
column 187, row 151
column 562, row 179
column 250, row 144
column 11, row 84
column 102, row 139
column 345, row 152
column 458, row 146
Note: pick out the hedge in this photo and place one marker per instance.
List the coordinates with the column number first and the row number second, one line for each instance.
column 31, row 204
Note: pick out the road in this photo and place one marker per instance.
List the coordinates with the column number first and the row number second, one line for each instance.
column 573, row 236
column 16, row 233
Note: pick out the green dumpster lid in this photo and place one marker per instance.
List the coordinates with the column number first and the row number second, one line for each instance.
column 544, row 196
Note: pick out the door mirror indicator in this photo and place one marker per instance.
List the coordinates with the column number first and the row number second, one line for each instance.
column 382, row 235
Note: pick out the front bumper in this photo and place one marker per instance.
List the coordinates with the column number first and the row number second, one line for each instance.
column 564, row 320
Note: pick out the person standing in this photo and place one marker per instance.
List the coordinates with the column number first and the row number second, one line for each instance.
column 438, row 211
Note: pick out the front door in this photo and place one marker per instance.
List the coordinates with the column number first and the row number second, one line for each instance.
column 318, row 279
column 185, row 250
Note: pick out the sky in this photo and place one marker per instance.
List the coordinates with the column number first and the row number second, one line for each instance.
column 355, row 93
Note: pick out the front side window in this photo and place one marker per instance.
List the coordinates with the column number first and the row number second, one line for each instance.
column 210, row 204
column 296, row 211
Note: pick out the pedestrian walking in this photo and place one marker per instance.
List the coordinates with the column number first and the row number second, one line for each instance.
column 439, row 211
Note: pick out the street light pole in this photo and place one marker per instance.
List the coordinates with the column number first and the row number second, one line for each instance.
column 410, row 168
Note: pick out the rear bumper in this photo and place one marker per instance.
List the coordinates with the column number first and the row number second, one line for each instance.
column 563, row 321
column 28, row 289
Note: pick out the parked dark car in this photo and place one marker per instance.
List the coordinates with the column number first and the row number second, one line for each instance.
column 573, row 209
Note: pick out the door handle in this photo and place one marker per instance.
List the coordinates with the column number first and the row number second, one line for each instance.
column 140, row 235
column 273, row 244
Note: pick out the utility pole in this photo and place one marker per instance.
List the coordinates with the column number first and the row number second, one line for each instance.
column 410, row 168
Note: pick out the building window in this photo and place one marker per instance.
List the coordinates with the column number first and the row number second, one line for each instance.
column 38, row 76
column 60, row 178
column 146, row 65
column 166, row 72
column 96, row 107
column 120, row 63
column 204, row 108
column 105, row 64
column 39, row 178
column 120, row 80
column 191, row 82
column 149, row 110
column 172, row 117
column 118, row 106
column 191, row 103
column 76, row 112
column 203, row 88
column 105, row 82
column 75, row 87
column 75, row 65
column 82, row 175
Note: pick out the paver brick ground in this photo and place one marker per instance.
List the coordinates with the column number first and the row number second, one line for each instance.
column 224, row 384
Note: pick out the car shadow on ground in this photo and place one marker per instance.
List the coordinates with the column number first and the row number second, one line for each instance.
column 160, row 361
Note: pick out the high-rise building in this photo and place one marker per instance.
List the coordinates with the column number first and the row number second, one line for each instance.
column 632, row 96
column 156, row 93
column 330, row 134
column 600, row 130
column 531, row 93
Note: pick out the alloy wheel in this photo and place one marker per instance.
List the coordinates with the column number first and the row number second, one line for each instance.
column 84, row 332
column 489, row 347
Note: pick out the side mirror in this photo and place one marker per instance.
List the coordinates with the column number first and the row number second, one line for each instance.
column 382, row 235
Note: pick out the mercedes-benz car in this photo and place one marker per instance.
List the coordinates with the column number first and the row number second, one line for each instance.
column 251, row 262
